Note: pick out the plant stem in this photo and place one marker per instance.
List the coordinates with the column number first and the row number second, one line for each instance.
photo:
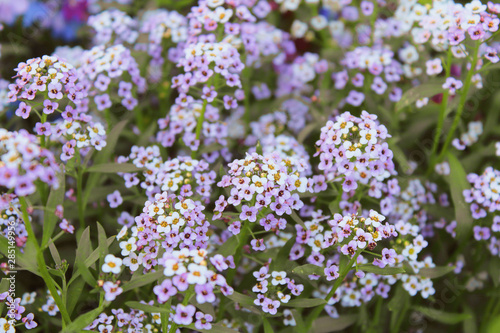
column 461, row 105
column 442, row 115
column 343, row 273
column 42, row 266
column 79, row 197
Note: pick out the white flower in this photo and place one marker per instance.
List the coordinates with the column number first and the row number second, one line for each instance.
column 128, row 246
column 133, row 261
column 278, row 278
column 111, row 264
column 122, row 233
column 173, row 267
column 5, row 327
column 196, row 274
column 374, row 219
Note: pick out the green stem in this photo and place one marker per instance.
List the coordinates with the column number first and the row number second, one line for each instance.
column 42, row 266
column 79, row 197
column 343, row 273
column 461, row 105
column 199, row 125
column 442, row 114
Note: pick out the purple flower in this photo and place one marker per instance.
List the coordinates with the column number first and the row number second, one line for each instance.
column 248, row 213
column 102, row 102
column 332, row 272
column 388, row 257
column 355, row 98
column 164, row 291
column 29, row 321
column 23, row 110
column 204, row 293
column 111, row 290
column 55, row 90
column 476, row 32
column 270, row 306
column 258, row 244
column 184, row 314
column 49, row 106
column 114, row 199
column 203, row 321
column 452, row 85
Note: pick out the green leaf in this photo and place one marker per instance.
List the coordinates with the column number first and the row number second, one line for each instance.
column 111, row 141
column 56, row 197
column 146, row 307
column 458, row 183
column 309, row 269
column 218, row 327
column 424, row 90
column 258, row 148
column 267, row 326
column 370, row 268
column 305, row 302
column 441, row 316
column 82, row 253
column 297, row 219
column 55, row 253
column 83, row 321
column 142, row 280
column 102, row 241
column 73, row 295
column 282, row 261
column 328, row 324
column 494, row 325
column 435, row 272
column 241, row 298
column 398, row 305
column 229, row 247
column 113, row 168
column 494, row 270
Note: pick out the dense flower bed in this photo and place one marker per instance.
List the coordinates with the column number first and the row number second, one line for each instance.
column 249, row 165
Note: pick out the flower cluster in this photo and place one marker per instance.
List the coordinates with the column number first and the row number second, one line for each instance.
column 181, row 175
column 273, row 289
column 484, row 194
column 475, row 129
column 353, row 149
column 168, row 223
column 16, row 312
column 263, row 184
column 113, row 27
column 24, row 162
column 113, row 71
column 52, row 80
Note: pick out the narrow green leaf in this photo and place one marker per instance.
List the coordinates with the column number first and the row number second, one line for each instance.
column 309, row 269
column 458, row 183
column 75, row 290
column 146, row 307
column 241, row 298
column 435, row 272
column 305, row 302
column 56, row 197
column 82, row 253
column 258, row 148
column 54, row 253
column 424, row 90
column 328, row 324
column 297, row 219
column 142, row 280
column 441, row 316
column 83, row 321
column 267, row 326
column 229, row 247
column 113, row 168
column 370, row 268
